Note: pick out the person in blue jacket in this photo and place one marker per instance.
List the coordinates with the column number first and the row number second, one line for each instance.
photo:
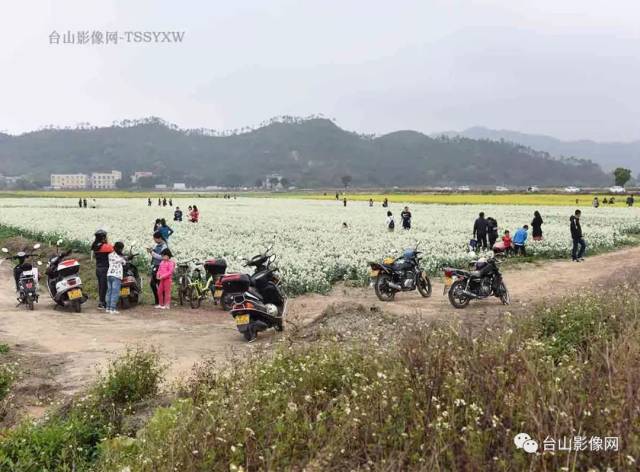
column 520, row 240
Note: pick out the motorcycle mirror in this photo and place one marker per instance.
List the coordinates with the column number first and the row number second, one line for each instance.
column 39, row 263
column 5, row 250
column 36, row 246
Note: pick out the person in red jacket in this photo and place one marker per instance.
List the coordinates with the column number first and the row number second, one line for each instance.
column 101, row 250
column 194, row 215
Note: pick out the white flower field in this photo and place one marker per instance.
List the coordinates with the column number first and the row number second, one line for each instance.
column 312, row 247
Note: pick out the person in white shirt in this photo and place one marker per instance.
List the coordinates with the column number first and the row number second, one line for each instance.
column 114, row 277
column 391, row 224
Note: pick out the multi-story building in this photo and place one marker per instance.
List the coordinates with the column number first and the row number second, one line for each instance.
column 104, row 180
column 69, row 181
column 137, row 175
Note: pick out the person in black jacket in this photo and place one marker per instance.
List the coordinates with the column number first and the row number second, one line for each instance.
column 576, row 236
column 536, row 225
column 480, row 231
column 101, row 250
column 492, row 231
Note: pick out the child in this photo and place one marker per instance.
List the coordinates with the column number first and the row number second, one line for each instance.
column 165, row 277
column 194, row 215
column 391, row 224
column 504, row 245
column 114, row 277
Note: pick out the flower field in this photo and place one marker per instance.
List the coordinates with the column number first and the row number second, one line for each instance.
column 312, row 247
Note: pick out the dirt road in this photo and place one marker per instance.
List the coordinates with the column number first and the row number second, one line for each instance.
column 66, row 348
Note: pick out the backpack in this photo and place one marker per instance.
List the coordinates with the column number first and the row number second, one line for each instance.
column 392, row 224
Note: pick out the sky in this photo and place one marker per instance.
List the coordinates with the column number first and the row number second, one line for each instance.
column 568, row 68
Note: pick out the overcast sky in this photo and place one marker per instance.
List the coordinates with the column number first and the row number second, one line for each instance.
column 568, row 68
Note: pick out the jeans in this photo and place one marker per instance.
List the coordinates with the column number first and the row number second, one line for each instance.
column 575, row 253
column 519, row 249
column 113, row 292
column 101, row 274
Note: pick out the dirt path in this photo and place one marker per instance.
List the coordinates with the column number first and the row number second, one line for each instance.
column 73, row 345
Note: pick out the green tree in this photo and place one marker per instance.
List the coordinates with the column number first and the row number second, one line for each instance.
column 346, row 180
column 622, row 176
column 285, row 182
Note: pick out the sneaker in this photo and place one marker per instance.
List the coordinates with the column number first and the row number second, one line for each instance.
column 166, row 307
column 158, row 307
column 581, row 259
column 114, row 312
column 101, row 307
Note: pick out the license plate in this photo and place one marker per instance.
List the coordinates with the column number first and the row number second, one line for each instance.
column 374, row 273
column 75, row 293
column 125, row 291
column 217, row 293
column 242, row 319
column 448, row 281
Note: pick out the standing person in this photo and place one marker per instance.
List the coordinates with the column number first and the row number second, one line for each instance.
column 177, row 215
column 159, row 202
column 80, row 203
column 114, row 277
column 577, row 238
column 595, row 202
column 194, row 216
column 492, row 231
column 344, row 201
column 630, row 201
column 165, row 230
column 406, row 218
column 165, row 279
column 520, row 240
column 93, row 203
column 337, row 196
column 371, row 202
column 156, row 258
column 149, row 201
column 391, row 224
column 164, row 201
column 385, row 203
column 101, row 250
column 156, row 225
column 536, row 226
column 480, row 231
column 170, row 201
column 84, row 202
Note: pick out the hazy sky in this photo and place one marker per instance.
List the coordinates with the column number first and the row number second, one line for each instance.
column 569, row 68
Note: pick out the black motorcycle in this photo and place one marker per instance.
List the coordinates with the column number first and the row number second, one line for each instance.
column 131, row 288
column 403, row 274
column 259, row 303
column 26, row 276
column 483, row 281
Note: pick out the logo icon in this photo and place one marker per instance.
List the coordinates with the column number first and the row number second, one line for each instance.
column 524, row 441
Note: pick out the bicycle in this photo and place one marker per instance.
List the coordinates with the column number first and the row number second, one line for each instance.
column 199, row 289
column 188, row 272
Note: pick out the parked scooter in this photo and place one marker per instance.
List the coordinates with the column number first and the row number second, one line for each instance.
column 131, row 288
column 26, row 276
column 259, row 302
column 63, row 282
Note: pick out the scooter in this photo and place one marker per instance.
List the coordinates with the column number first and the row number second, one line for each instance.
column 259, row 303
column 131, row 287
column 27, row 276
column 63, row 282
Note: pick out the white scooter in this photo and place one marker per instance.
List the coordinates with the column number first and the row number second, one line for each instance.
column 63, row 282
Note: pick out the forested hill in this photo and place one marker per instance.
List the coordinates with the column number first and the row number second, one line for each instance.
column 313, row 152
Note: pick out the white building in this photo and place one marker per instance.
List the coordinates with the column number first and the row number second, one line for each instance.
column 104, row 180
column 139, row 174
column 273, row 181
column 69, row 181
column 179, row 186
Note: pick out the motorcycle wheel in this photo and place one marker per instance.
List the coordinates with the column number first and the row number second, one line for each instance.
column 279, row 326
column 424, row 285
column 194, row 300
column 182, row 292
column 226, row 301
column 126, row 303
column 77, row 306
column 456, row 297
column 505, row 298
column 29, row 301
column 383, row 291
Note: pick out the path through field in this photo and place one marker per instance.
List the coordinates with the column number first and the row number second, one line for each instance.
column 64, row 349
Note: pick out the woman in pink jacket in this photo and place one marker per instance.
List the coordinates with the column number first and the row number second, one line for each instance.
column 165, row 278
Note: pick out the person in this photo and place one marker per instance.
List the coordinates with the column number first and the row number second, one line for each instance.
column 80, row 203
column 344, row 201
column 165, row 279
column 480, row 231
column 595, row 202
column 385, row 203
column 520, row 240
column 194, row 215
column 170, row 201
column 337, row 196
column 190, row 209
column 165, row 230
column 391, row 224
column 84, row 202
column 149, row 201
column 157, row 224
column 405, row 215
column 159, row 202
column 492, row 230
column 345, row 225
column 177, row 215
column 156, row 258
column 579, row 246
column 630, row 201
column 164, row 201
column 605, row 201
column 507, row 244
column 101, row 250
column 612, row 201
column 371, row 202
column 117, row 260
column 536, row 226
column 93, row 203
